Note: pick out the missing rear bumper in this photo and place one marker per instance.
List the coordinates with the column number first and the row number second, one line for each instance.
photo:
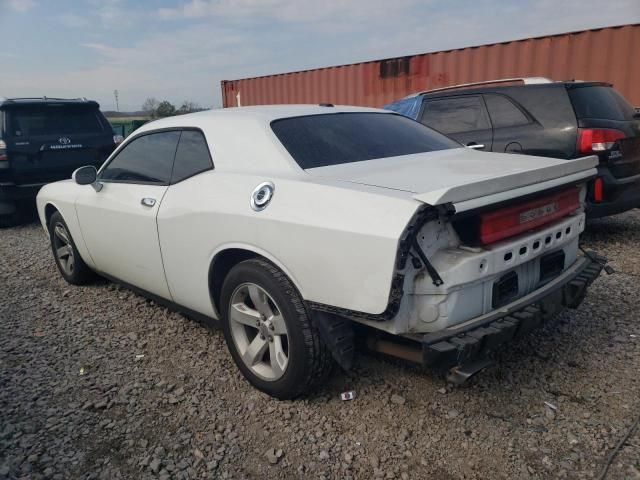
column 472, row 340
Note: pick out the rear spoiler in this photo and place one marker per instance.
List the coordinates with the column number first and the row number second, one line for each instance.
column 492, row 190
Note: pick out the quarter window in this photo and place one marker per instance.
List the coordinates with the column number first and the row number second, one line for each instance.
column 456, row 115
column 503, row 112
column 146, row 159
column 192, row 156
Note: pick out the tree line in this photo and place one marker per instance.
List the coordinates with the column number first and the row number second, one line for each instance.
column 160, row 109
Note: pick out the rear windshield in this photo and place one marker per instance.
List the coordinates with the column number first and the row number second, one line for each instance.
column 52, row 120
column 600, row 102
column 333, row 139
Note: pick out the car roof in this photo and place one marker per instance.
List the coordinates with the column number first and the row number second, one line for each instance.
column 266, row 113
column 241, row 139
column 30, row 101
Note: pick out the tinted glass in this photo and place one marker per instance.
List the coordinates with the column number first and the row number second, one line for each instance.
column 146, row 159
column 192, row 156
column 333, row 139
column 503, row 112
column 454, row 115
column 53, row 120
column 600, row 102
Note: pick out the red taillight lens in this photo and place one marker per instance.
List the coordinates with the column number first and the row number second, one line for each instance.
column 595, row 140
column 598, row 194
column 511, row 221
column 3, row 151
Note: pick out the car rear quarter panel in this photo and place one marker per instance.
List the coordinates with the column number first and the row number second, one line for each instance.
column 337, row 243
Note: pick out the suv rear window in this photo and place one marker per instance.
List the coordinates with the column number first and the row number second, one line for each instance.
column 337, row 138
column 600, row 102
column 52, row 120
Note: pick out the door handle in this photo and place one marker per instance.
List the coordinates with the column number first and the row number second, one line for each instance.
column 148, row 202
column 475, row 146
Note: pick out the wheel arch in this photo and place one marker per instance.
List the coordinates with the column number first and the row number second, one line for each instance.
column 49, row 210
column 229, row 256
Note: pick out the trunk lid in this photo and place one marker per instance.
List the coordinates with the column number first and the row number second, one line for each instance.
column 463, row 177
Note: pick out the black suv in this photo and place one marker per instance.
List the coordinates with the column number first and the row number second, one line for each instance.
column 43, row 140
column 537, row 116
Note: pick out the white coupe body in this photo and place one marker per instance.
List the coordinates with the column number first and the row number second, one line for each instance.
column 335, row 231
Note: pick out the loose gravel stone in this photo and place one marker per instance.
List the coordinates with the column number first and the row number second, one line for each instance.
column 75, row 402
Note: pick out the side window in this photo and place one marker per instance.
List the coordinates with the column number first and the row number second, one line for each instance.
column 192, row 156
column 146, row 159
column 503, row 112
column 456, row 115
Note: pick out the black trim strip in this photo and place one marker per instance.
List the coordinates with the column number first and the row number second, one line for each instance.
column 187, row 312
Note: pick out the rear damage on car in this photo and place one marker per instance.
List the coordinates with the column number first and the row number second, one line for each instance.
column 476, row 279
column 481, row 265
column 491, row 252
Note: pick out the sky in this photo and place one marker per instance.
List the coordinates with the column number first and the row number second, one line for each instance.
column 179, row 50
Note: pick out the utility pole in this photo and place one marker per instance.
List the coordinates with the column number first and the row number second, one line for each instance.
column 115, row 94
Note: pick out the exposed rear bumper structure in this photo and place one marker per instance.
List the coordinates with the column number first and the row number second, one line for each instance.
column 475, row 338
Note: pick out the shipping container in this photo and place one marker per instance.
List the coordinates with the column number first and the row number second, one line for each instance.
column 605, row 54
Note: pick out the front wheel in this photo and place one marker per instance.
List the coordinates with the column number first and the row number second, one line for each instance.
column 269, row 331
column 70, row 264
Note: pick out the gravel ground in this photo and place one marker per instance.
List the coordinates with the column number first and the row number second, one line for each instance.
column 97, row 382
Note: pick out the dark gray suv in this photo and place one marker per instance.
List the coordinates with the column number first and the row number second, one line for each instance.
column 537, row 116
column 43, row 140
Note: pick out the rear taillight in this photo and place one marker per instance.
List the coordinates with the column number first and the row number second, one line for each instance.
column 596, row 140
column 3, row 151
column 598, row 190
column 118, row 139
column 510, row 221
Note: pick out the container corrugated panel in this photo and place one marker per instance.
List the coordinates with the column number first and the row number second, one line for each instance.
column 605, row 54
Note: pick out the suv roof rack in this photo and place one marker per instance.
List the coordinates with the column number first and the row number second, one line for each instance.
column 43, row 98
column 524, row 80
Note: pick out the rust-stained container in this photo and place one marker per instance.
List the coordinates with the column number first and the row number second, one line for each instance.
column 607, row 54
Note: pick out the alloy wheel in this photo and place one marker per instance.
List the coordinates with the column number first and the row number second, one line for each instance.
column 63, row 248
column 259, row 331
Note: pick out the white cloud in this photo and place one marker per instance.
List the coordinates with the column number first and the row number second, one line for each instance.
column 322, row 15
column 19, row 6
column 184, row 65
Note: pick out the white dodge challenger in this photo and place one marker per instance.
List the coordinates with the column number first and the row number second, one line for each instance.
column 303, row 229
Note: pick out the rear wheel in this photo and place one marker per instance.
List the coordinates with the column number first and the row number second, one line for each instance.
column 69, row 262
column 269, row 331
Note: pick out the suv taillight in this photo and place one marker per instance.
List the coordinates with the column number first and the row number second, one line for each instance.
column 3, row 151
column 595, row 140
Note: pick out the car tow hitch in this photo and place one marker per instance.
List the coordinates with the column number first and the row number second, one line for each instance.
column 461, row 373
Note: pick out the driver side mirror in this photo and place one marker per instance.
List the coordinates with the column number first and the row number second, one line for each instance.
column 85, row 175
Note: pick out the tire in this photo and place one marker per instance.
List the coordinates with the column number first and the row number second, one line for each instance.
column 308, row 360
column 78, row 272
